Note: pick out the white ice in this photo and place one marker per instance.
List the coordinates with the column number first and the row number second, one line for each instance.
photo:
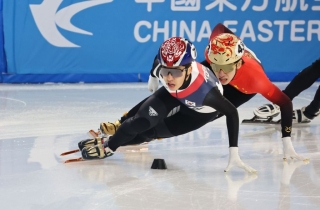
column 38, row 122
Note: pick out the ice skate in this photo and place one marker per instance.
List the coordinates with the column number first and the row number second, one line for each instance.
column 91, row 142
column 298, row 116
column 86, row 143
column 91, row 149
column 265, row 114
column 109, row 128
column 96, row 152
column 94, row 145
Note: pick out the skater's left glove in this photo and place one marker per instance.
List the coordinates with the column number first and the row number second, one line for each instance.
column 234, row 160
column 289, row 152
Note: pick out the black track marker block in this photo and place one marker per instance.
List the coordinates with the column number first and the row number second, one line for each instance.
column 159, row 164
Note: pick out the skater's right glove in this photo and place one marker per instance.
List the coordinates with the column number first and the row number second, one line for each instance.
column 153, row 84
column 96, row 152
column 234, row 160
column 288, row 150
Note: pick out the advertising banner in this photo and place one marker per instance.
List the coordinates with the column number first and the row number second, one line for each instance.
column 2, row 56
column 67, row 38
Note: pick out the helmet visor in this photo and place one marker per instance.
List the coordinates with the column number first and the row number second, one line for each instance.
column 225, row 68
column 174, row 72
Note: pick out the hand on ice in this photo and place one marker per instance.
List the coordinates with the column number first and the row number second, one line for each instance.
column 289, row 152
column 234, row 160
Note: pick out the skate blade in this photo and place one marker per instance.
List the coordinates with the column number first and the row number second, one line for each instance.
column 261, row 122
column 93, row 134
column 74, row 160
column 70, row 152
column 273, row 122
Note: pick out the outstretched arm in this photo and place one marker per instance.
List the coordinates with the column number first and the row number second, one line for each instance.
column 216, row 100
column 276, row 96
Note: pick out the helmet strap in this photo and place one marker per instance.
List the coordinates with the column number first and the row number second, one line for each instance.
column 242, row 62
column 186, row 80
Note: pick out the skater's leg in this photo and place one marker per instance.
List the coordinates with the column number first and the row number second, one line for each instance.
column 110, row 128
column 303, row 80
column 312, row 110
column 184, row 121
column 151, row 112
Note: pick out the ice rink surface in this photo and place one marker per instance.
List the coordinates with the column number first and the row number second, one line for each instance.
column 38, row 122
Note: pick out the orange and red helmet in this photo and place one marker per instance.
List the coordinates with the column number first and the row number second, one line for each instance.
column 224, row 49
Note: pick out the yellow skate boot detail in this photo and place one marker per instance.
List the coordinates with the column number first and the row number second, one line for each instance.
column 96, row 152
column 90, row 142
column 108, row 128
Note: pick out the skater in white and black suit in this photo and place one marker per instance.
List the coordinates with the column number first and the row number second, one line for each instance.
column 187, row 84
column 300, row 82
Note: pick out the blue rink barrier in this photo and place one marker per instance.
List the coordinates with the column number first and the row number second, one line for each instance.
column 89, row 41
column 3, row 66
column 74, row 78
column 108, row 78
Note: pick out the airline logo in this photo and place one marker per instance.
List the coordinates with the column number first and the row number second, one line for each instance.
column 152, row 112
column 174, row 111
column 48, row 18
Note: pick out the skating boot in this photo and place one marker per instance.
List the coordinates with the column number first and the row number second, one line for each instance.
column 267, row 111
column 299, row 116
column 98, row 151
column 264, row 115
column 108, row 128
column 92, row 142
